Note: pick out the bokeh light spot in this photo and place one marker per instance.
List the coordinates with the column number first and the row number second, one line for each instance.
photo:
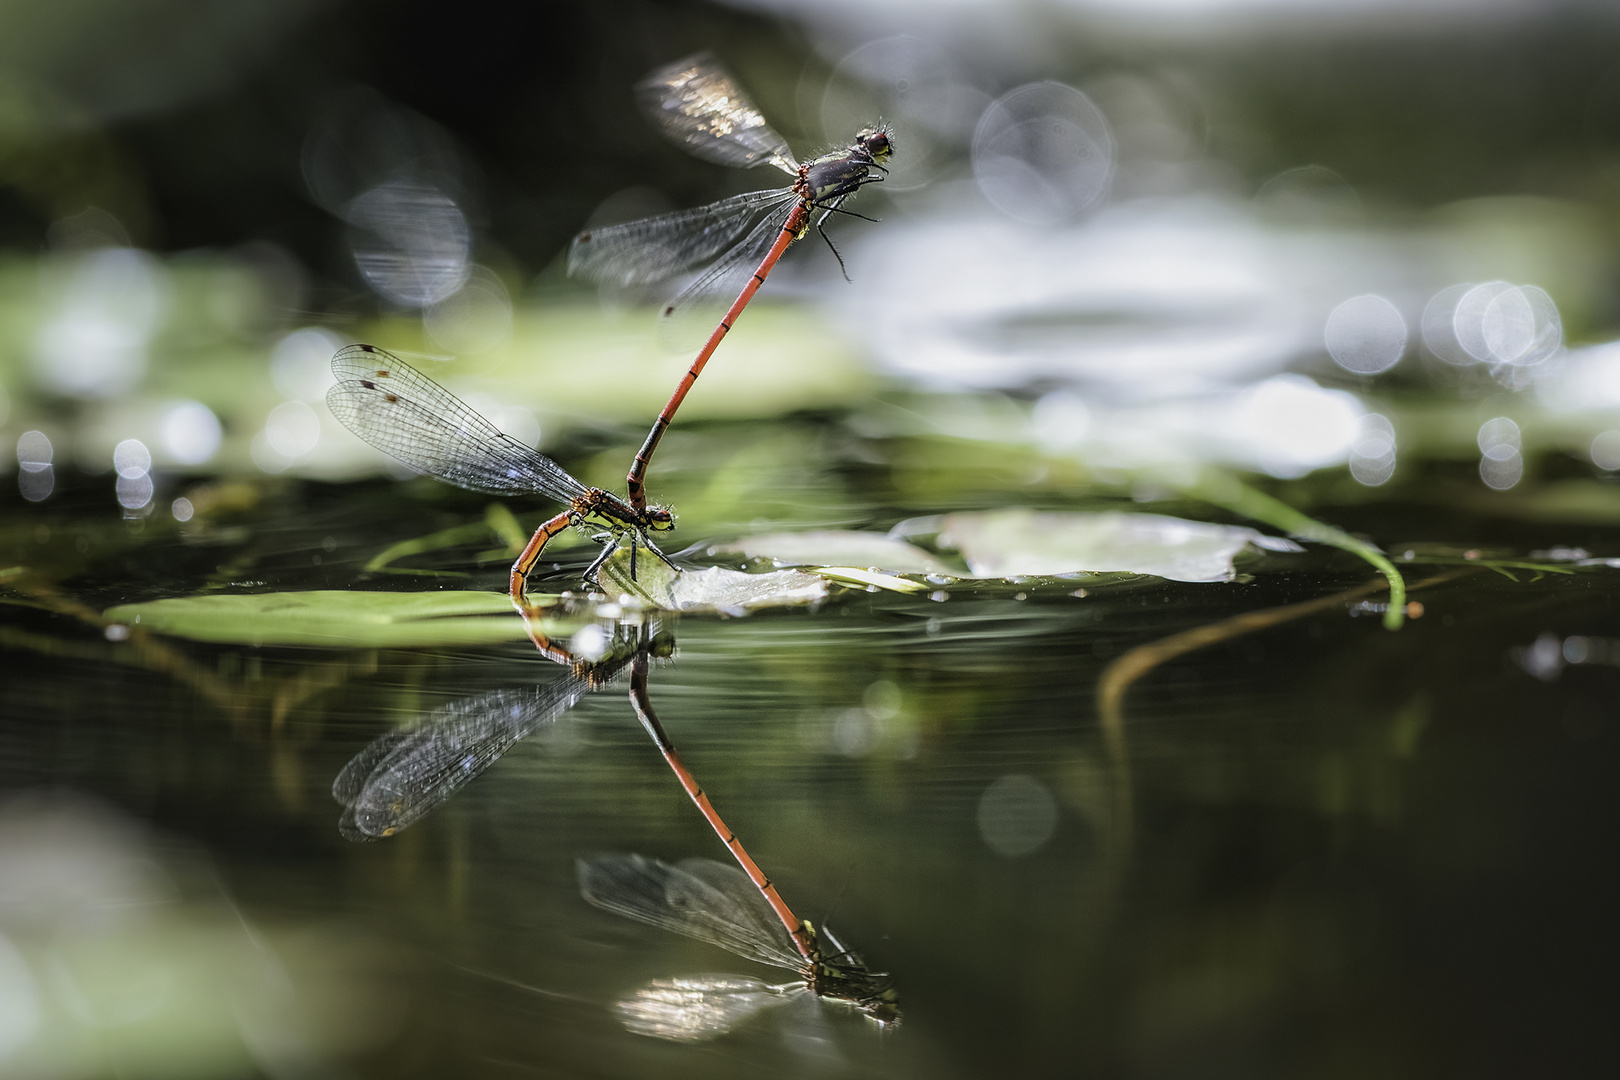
column 292, row 429
column 34, row 451
column 1365, row 334
column 1017, row 815
column 191, row 432
column 131, row 459
column 1043, row 153
column 301, row 364
column 1372, row 456
column 1605, row 450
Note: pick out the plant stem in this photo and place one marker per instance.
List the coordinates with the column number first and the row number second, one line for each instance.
column 1225, row 490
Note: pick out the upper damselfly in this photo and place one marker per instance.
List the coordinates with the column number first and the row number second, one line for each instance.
column 404, row 413
column 716, row 903
column 699, row 105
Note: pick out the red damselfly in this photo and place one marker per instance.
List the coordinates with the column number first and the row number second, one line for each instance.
column 404, row 413
column 699, row 105
column 716, row 903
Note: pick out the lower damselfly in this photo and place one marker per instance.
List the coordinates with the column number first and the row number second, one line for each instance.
column 699, row 105
column 407, row 415
column 716, row 903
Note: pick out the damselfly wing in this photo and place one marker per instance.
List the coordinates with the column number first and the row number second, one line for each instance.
column 718, row 904
column 407, row 415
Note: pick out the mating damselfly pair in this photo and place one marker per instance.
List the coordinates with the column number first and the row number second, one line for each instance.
column 697, row 103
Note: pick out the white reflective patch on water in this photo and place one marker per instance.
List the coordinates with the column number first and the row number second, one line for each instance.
column 590, row 643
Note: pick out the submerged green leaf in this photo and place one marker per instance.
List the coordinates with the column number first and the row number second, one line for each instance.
column 1021, row 542
column 333, row 618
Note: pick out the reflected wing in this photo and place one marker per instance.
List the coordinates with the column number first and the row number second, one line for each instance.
column 694, row 1008
column 404, row 413
column 699, row 105
column 409, row 774
column 700, row 898
column 641, row 252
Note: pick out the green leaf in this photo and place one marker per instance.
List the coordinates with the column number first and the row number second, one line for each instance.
column 334, row 619
column 1027, row 543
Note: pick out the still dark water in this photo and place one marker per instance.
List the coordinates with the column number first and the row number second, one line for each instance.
column 1313, row 849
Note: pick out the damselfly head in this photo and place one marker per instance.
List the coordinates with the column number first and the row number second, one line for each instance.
column 878, row 142
column 883, row 1009
column 846, row 978
column 660, row 518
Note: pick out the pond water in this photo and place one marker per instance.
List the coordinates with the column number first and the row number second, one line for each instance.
column 1135, row 828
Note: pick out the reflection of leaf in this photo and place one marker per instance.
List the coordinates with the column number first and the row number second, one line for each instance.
column 1009, row 543
column 715, row 590
column 836, row 547
column 332, row 618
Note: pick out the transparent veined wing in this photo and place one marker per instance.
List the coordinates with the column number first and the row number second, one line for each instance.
column 403, row 776
column 700, row 106
column 721, row 283
column 407, row 415
column 695, row 1008
column 700, row 898
column 652, row 249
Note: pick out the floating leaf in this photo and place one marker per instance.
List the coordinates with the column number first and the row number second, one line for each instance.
column 334, row 619
column 853, row 575
column 1015, row 543
column 731, row 592
column 837, row 547
column 717, row 589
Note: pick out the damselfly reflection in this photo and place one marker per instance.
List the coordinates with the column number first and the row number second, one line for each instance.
column 716, row 903
column 402, row 776
column 699, row 105
column 405, row 414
